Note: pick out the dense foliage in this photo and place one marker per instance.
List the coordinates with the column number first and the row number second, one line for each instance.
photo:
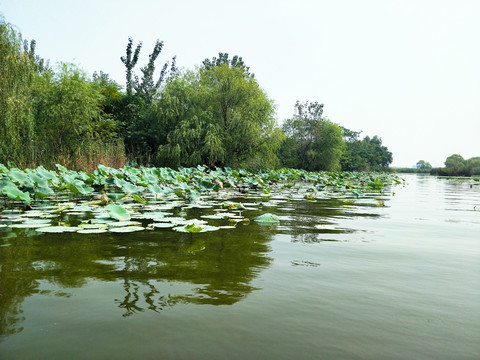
column 50, row 115
column 456, row 165
column 216, row 115
column 186, row 183
column 312, row 143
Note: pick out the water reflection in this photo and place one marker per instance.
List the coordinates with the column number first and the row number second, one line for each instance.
column 326, row 220
column 156, row 270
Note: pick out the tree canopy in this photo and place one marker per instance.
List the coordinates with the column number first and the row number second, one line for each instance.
column 216, row 114
column 312, row 142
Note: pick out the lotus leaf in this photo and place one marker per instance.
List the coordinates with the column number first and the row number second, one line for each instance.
column 161, row 225
column 92, row 231
column 58, row 229
column 117, row 212
column 14, row 193
column 123, row 223
column 126, row 229
column 267, row 218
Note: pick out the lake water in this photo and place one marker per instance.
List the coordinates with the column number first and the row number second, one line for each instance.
column 332, row 281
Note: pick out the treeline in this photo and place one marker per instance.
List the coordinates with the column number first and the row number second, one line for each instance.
column 456, row 165
column 216, row 115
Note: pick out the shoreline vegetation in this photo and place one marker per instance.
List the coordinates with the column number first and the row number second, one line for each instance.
column 455, row 165
column 143, row 198
column 216, row 114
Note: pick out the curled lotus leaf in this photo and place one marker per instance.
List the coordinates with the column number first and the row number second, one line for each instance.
column 14, row 193
column 267, row 218
column 117, row 212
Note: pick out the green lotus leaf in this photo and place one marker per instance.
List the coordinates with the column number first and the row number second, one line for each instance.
column 14, row 193
column 117, row 212
column 43, row 191
column 180, row 194
column 17, row 175
column 194, row 228
column 214, row 216
column 78, row 187
column 28, row 225
column 115, row 196
column 58, row 229
column 61, row 209
column 124, row 223
column 38, row 180
column 61, row 168
column 87, row 226
column 139, row 199
column 194, row 195
column 92, row 231
column 357, row 193
column 126, row 229
column 32, row 214
column 267, row 218
column 46, row 174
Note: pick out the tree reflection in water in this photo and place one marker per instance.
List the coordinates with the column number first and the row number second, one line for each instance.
column 156, row 269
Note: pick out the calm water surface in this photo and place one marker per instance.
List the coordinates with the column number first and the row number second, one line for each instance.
column 332, row 281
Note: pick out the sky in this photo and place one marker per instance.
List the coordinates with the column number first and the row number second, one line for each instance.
column 407, row 71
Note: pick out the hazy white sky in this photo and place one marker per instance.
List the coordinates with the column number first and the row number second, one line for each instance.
column 405, row 70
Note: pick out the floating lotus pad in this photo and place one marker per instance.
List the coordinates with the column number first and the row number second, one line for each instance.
column 92, row 231
column 151, row 215
column 119, row 224
column 126, row 229
column 189, row 221
column 93, row 226
column 214, row 217
column 32, row 213
column 58, row 229
column 32, row 224
column 101, row 220
column 204, row 229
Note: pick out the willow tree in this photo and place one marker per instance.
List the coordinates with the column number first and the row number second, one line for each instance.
column 219, row 116
column 17, row 71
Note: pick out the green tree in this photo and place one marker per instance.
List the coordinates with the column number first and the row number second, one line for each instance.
column 312, row 142
column 224, row 59
column 217, row 115
column 367, row 154
column 136, row 112
column 455, row 162
column 423, row 165
column 17, row 72
column 67, row 112
column 475, row 165
column 456, row 165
